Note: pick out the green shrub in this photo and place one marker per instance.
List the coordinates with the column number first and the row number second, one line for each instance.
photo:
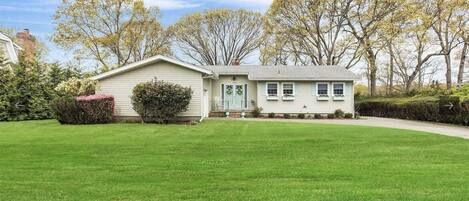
column 25, row 91
column 286, row 116
column 449, row 105
column 462, row 92
column 318, row 116
column 424, row 110
column 67, row 110
column 271, row 115
column 330, row 116
column 339, row 113
column 348, row 115
column 256, row 112
column 301, row 116
column 93, row 109
column 159, row 101
column 4, row 105
column 76, row 87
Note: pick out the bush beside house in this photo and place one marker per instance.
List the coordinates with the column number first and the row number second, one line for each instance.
column 94, row 109
column 159, row 101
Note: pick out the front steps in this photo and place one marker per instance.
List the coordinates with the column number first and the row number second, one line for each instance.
column 232, row 114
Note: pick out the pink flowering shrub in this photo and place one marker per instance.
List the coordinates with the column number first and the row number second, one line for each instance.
column 94, row 97
column 93, row 109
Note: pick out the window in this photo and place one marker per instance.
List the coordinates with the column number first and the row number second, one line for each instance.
column 288, row 89
column 272, row 89
column 322, row 89
column 338, row 89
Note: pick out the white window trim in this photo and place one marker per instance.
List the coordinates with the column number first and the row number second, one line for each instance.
column 343, row 88
column 267, row 91
column 294, row 88
column 328, row 88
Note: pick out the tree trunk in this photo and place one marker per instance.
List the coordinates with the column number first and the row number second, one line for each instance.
column 372, row 78
column 420, row 82
column 390, row 70
column 372, row 70
column 462, row 63
column 448, row 71
column 408, row 84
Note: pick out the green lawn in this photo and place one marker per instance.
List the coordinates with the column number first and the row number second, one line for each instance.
column 228, row 160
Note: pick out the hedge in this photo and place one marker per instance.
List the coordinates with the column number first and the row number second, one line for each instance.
column 94, row 109
column 435, row 111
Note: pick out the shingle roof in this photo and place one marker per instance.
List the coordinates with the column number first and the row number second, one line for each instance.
column 147, row 61
column 287, row 72
column 254, row 72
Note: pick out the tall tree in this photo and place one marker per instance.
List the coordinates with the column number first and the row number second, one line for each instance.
column 391, row 33
column 364, row 19
column 111, row 32
column 462, row 61
column 413, row 50
column 218, row 37
column 308, row 32
column 447, row 17
column 463, row 30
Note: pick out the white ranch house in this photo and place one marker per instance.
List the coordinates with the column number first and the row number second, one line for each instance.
column 218, row 89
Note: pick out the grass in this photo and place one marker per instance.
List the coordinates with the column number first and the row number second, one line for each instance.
column 228, row 160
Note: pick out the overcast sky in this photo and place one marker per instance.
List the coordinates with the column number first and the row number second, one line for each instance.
column 36, row 15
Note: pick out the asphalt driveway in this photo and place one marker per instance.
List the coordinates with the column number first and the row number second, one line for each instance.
column 443, row 129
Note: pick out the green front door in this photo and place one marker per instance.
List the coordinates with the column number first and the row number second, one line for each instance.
column 234, row 97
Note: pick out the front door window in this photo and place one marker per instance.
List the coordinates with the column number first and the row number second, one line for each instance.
column 234, row 96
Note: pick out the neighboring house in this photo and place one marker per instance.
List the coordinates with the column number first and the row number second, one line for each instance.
column 8, row 49
column 217, row 89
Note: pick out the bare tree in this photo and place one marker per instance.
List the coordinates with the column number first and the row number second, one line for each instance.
column 464, row 37
column 308, row 32
column 446, row 18
column 413, row 50
column 364, row 19
column 462, row 61
column 218, row 37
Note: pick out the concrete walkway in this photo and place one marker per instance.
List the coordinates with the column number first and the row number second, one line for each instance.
column 443, row 129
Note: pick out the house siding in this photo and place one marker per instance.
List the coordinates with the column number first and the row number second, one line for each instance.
column 121, row 86
column 305, row 99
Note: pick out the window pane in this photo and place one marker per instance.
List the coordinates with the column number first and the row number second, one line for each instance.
column 338, row 89
column 272, row 89
column 322, row 89
column 287, row 89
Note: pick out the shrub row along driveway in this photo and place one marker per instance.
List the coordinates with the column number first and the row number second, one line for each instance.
column 228, row 160
column 444, row 129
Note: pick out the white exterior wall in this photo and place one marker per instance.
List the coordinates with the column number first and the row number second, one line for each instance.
column 121, row 85
column 239, row 79
column 305, row 95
